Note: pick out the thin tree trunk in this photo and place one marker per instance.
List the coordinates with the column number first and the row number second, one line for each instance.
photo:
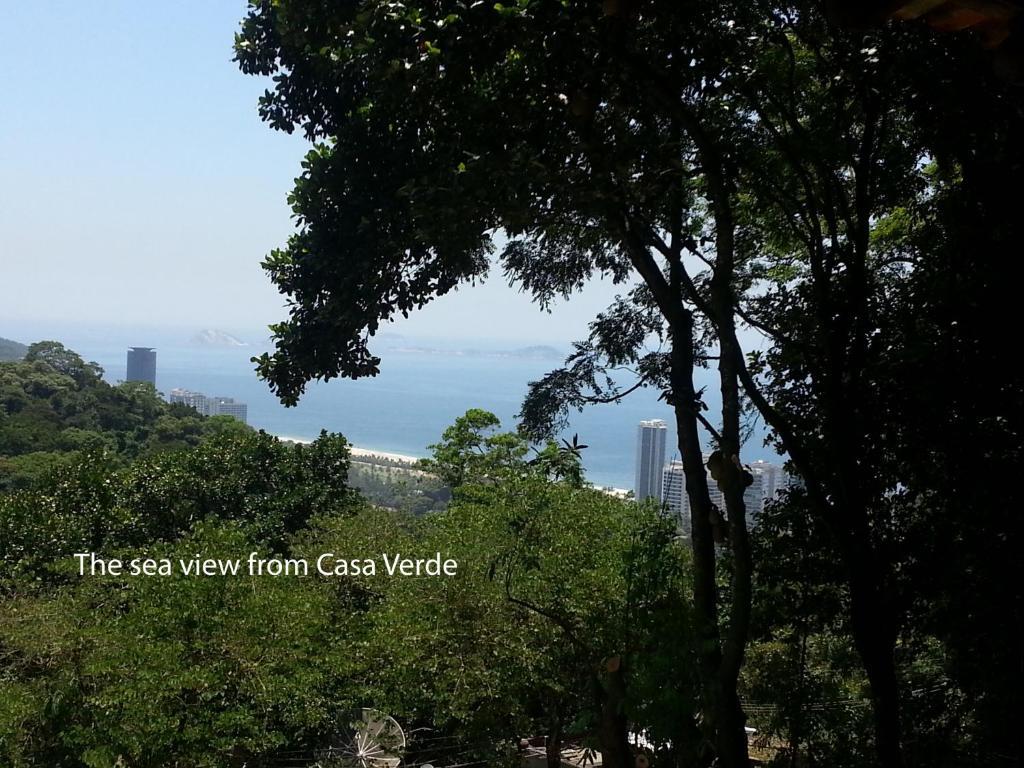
column 614, row 726
column 553, row 746
column 723, row 714
column 875, row 638
column 733, row 483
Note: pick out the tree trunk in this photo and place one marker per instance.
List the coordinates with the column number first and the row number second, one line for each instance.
column 553, row 745
column 722, row 711
column 732, row 737
column 875, row 638
column 734, row 481
column 614, row 726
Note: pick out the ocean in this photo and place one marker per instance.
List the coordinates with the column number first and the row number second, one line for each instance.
column 423, row 386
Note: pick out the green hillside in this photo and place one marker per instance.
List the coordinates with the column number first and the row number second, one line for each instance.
column 11, row 350
column 55, row 408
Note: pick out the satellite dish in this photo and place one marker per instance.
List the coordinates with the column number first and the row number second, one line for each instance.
column 373, row 740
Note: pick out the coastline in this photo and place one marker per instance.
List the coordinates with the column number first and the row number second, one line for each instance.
column 357, row 452
column 404, row 458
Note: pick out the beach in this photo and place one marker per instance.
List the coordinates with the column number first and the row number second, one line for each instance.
column 367, row 453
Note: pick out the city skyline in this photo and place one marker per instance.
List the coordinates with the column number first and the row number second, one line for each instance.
column 766, row 478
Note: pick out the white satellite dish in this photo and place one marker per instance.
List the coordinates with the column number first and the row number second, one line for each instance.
column 373, row 740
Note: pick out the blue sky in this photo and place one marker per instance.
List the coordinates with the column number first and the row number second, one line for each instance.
column 138, row 186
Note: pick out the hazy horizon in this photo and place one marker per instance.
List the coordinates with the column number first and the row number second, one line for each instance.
column 142, row 189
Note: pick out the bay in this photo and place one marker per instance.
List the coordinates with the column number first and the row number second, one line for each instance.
column 422, row 388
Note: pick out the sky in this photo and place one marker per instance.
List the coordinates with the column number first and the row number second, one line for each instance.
column 139, row 188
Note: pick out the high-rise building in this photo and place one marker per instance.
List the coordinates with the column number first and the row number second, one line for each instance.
column 211, row 406
column 142, row 365
column 675, row 498
column 753, row 497
column 187, row 397
column 773, row 478
column 650, row 459
column 227, row 406
column 673, row 493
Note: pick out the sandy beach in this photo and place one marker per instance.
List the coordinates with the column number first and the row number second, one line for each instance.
column 368, row 453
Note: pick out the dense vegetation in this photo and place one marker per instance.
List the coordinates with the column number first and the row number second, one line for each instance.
column 398, row 486
column 559, row 588
column 55, row 408
column 816, row 211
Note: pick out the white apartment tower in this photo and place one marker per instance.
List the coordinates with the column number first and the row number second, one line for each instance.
column 650, row 459
column 227, row 406
column 210, row 406
column 187, row 397
column 774, row 477
column 674, row 491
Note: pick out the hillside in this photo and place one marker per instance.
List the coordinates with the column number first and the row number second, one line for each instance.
column 55, row 407
column 11, row 350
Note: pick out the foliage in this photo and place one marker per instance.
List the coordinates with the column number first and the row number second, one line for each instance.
column 183, row 670
column 398, row 487
column 54, row 405
column 838, row 193
column 91, row 506
column 554, row 580
column 138, row 670
column 473, row 451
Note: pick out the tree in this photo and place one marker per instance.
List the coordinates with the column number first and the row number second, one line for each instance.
column 91, row 505
column 63, row 360
column 555, row 581
column 383, row 239
column 192, row 671
column 556, row 622
column 472, row 450
column 149, row 670
column 743, row 160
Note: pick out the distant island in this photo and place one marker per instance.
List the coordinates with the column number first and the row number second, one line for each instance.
column 11, row 350
column 537, row 352
column 214, row 338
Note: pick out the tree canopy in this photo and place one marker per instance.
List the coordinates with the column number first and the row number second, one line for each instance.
column 836, row 193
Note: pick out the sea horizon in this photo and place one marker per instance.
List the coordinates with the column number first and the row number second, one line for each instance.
column 425, row 383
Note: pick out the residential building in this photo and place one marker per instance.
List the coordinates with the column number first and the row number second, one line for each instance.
column 227, row 406
column 650, row 459
column 211, row 406
column 773, row 477
column 767, row 480
column 673, row 493
column 187, row 397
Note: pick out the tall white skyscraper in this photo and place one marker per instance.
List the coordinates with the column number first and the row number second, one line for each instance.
column 650, row 458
